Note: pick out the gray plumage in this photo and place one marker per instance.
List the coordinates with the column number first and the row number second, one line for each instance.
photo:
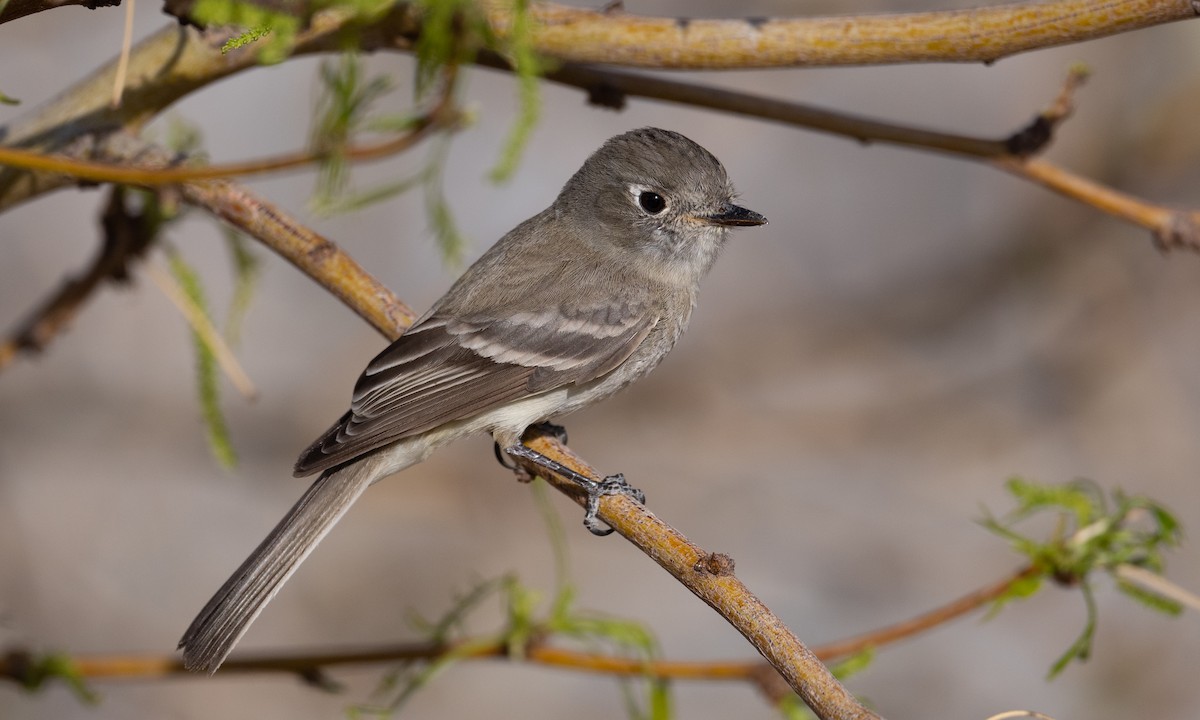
column 569, row 307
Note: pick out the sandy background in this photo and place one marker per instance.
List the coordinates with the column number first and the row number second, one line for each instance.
column 860, row 377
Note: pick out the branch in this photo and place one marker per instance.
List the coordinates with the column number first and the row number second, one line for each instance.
column 1171, row 228
column 16, row 664
column 311, row 253
column 126, row 238
column 17, row 9
column 174, row 62
column 710, row 577
column 165, row 67
column 443, row 116
column 130, row 160
column 974, row 35
column 928, row 620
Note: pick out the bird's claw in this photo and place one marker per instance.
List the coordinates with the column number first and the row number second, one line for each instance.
column 611, row 485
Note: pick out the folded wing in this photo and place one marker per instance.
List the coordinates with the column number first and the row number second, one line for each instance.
column 447, row 369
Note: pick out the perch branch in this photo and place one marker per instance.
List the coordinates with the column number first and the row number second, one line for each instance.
column 710, row 577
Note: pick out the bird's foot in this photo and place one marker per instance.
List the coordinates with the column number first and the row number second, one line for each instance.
column 558, row 432
column 611, row 485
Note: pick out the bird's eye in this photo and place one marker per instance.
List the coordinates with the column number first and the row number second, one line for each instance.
column 651, row 202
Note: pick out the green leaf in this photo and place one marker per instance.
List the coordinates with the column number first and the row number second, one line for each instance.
column 1081, row 649
column 660, row 699
column 793, row 708
column 528, row 69
column 348, row 201
column 246, row 269
column 1094, row 534
column 854, row 664
column 441, row 219
column 55, row 666
column 558, row 544
column 1078, row 498
column 451, row 32
column 1150, row 599
column 239, row 41
column 276, row 27
column 207, row 376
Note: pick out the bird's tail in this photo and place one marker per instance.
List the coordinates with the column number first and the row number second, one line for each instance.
column 227, row 616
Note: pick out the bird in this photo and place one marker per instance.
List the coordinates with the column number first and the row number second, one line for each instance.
column 569, row 307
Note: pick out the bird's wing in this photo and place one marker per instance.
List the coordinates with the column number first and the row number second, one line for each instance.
column 446, row 369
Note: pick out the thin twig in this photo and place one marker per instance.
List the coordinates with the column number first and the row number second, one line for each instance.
column 123, row 242
column 541, row 653
column 1170, row 228
column 108, row 172
column 203, row 327
column 1157, row 584
column 312, row 253
column 925, row 621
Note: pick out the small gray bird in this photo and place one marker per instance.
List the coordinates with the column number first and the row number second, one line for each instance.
column 572, row 305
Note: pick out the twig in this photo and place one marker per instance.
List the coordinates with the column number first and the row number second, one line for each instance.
column 203, row 327
column 938, row 616
column 124, row 240
column 1171, row 228
column 710, row 577
column 313, row 254
column 142, row 667
column 195, row 61
column 976, row 35
column 1157, row 584
column 17, row 9
column 609, row 88
column 441, row 117
column 310, row 252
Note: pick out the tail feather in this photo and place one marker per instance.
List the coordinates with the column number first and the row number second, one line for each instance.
column 227, row 616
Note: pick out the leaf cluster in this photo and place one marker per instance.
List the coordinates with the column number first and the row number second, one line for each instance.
column 1091, row 533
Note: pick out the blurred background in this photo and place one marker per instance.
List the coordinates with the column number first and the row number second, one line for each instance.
column 860, row 378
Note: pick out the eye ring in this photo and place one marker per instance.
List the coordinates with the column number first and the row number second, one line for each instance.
column 651, row 202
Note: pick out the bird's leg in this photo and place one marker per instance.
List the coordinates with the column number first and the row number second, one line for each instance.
column 611, row 485
column 558, row 432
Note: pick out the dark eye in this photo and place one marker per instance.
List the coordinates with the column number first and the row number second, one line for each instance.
column 651, row 202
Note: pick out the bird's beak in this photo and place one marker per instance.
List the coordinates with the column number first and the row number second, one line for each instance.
column 736, row 216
